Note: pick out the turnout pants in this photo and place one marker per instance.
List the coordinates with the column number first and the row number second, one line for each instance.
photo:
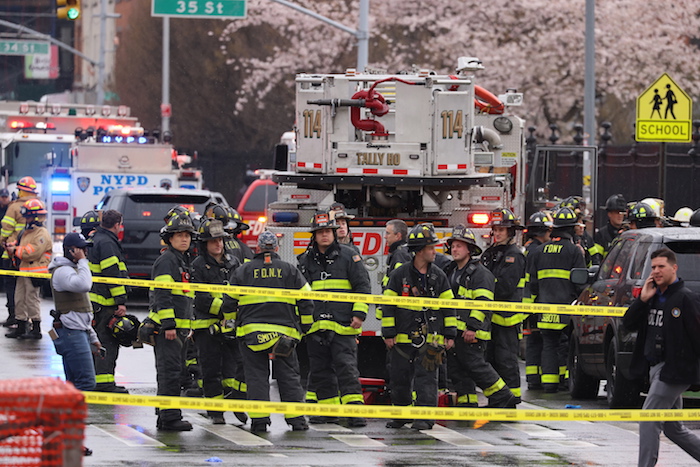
column 533, row 358
column 551, row 358
column 333, row 368
column 105, row 366
column 9, row 282
column 664, row 396
column 27, row 300
column 408, row 376
column 257, row 375
column 467, row 366
column 502, row 354
column 222, row 366
column 170, row 359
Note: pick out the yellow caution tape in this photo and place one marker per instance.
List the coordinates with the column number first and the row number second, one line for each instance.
column 384, row 411
column 515, row 307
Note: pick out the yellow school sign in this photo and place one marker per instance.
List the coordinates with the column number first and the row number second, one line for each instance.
column 664, row 113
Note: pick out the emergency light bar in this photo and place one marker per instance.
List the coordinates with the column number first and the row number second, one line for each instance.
column 25, row 125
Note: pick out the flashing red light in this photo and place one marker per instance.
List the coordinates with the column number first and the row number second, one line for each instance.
column 478, row 218
column 60, row 206
column 146, row 213
column 59, row 222
column 636, row 291
column 14, row 124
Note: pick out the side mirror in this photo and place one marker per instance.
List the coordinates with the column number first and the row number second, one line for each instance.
column 580, row 276
column 76, row 221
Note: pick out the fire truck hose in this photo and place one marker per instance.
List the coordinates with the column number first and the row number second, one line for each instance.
column 385, row 411
column 516, row 307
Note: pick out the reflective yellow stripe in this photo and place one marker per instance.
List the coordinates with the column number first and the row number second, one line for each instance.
column 94, row 268
column 311, row 396
column 553, row 274
column 350, row 398
column 261, row 327
column 203, row 323
column 533, row 370
column 360, row 307
column 263, row 346
column 335, row 327
column 166, row 313
column 307, row 319
column 107, row 262
column 388, row 322
column 104, row 378
column 478, row 315
column 258, row 299
column 100, row 300
column 215, row 306
column 331, row 284
column 508, row 322
column 550, row 379
column 551, row 326
column 119, row 290
column 450, row 321
column 495, row 387
column 483, row 335
column 521, row 283
column 516, row 391
column 330, row 401
column 430, row 338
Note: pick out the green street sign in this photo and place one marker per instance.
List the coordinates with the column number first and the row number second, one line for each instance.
column 19, row 47
column 199, row 8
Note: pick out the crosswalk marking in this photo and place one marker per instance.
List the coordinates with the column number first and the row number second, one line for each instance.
column 358, row 441
column 572, row 443
column 329, row 427
column 231, row 433
column 128, row 435
column 536, row 431
column 452, row 437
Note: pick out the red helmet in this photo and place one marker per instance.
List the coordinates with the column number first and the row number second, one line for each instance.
column 27, row 184
column 33, row 208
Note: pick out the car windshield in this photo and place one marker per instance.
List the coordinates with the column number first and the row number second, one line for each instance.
column 156, row 206
column 688, row 257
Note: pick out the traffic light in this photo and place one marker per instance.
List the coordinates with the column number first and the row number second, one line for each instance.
column 68, row 9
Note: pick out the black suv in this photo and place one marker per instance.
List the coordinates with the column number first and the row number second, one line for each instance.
column 600, row 347
column 144, row 210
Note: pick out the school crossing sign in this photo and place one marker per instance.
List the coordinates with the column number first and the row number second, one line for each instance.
column 664, row 113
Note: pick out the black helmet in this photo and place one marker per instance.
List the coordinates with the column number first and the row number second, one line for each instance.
column 176, row 210
column 504, row 217
column 235, row 217
column 181, row 222
column 421, row 236
column 218, row 212
column 125, row 329
column 574, row 202
column 322, row 220
column 211, row 229
column 616, row 203
column 460, row 232
column 539, row 220
column 90, row 220
column 642, row 211
column 565, row 217
column 695, row 218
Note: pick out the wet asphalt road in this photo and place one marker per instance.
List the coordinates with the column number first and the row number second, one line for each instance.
column 127, row 436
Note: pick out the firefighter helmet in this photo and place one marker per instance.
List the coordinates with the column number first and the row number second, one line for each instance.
column 338, row 211
column 267, row 241
column 695, row 218
column 33, row 208
column 574, row 202
column 565, row 217
column 234, row 216
column 539, row 220
column 616, row 203
column 642, row 211
column 421, row 236
column 683, row 216
column 124, row 329
column 177, row 223
column 27, row 184
column 174, row 211
column 322, row 220
column 211, row 229
column 504, row 217
column 218, row 212
column 90, row 220
column 460, row 232
column 656, row 204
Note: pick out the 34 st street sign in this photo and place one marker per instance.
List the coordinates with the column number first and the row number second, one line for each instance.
column 233, row 9
column 664, row 113
column 22, row 47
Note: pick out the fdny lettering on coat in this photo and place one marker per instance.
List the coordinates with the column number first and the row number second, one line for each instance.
column 551, row 248
column 264, row 273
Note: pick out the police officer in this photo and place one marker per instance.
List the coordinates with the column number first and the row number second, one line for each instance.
column 550, row 267
column 341, row 217
column 171, row 312
column 466, row 362
column 537, row 233
column 417, row 336
column 32, row 253
column 507, row 263
column 106, row 259
column 11, row 225
column 268, row 328
column 215, row 312
column 332, row 340
column 643, row 216
column 616, row 208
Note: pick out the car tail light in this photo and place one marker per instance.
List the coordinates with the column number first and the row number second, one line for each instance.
column 478, row 218
column 636, row 291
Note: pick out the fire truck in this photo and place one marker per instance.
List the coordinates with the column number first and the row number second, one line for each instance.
column 419, row 146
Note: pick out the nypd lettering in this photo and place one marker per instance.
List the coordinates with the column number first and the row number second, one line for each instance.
column 108, row 182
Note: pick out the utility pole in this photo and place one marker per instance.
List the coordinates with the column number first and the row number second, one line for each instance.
column 590, row 162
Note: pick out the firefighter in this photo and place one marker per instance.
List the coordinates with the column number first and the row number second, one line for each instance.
column 268, row 328
column 643, row 215
column 89, row 223
column 234, row 227
column 417, row 337
column 32, row 252
column 594, row 252
column 222, row 214
column 695, row 219
column 214, row 315
column 682, row 217
column 171, row 312
column 538, row 232
column 11, row 225
column 341, row 217
column 507, row 263
column 106, row 259
column 550, row 267
column 4, row 204
column 332, row 340
column 466, row 361
column 616, row 208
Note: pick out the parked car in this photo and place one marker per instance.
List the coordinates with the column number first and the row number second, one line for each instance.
column 600, row 348
column 144, row 210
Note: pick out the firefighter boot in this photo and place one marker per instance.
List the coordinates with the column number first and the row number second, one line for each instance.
column 11, row 320
column 18, row 331
column 217, row 418
column 259, row 425
column 298, row 423
column 34, row 333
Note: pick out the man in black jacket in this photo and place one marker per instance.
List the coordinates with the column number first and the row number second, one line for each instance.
column 667, row 318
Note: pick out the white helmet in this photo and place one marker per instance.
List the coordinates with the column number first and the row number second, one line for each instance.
column 682, row 216
column 656, row 204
